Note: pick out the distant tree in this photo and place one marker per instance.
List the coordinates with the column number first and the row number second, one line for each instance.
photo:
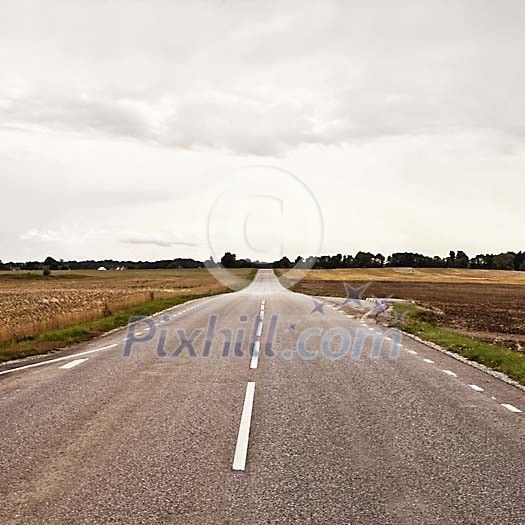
column 348, row 261
column 53, row 264
column 504, row 261
column 228, row 260
column 210, row 263
column 244, row 263
column 482, row 262
column 437, row 262
column 378, row 260
column 519, row 260
column 299, row 262
column 284, row 262
column 363, row 260
column 310, row 262
column 337, row 261
column 402, row 260
column 451, row 259
column 462, row 260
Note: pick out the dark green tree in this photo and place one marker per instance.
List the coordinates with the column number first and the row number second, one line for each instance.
column 229, row 260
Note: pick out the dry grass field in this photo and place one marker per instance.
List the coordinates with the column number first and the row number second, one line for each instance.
column 31, row 304
column 428, row 275
column 485, row 304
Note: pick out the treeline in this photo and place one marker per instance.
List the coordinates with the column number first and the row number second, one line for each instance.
column 459, row 259
column 110, row 264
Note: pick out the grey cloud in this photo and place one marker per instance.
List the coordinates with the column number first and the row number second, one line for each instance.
column 241, row 124
column 155, row 241
column 83, row 114
column 267, row 126
column 269, row 78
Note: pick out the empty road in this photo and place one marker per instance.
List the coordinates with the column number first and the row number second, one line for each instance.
column 260, row 406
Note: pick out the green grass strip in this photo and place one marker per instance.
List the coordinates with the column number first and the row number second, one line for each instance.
column 419, row 322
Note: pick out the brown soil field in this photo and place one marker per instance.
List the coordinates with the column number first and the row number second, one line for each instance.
column 489, row 311
column 31, row 304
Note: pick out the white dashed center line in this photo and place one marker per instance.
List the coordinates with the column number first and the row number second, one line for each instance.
column 450, row 373
column 255, row 354
column 413, row 352
column 512, row 408
column 76, row 362
column 254, row 361
column 259, row 328
column 428, row 361
column 241, row 449
column 476, row 388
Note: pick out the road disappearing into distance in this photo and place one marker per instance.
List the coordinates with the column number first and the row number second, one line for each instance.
column 259, row 406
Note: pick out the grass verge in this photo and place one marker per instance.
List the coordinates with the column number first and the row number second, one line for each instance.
column 420, row 322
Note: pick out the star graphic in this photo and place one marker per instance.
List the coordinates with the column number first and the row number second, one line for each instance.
column 399, row 317
column 353, row 295
column 292, row 326
column 380, row 305
column 318, row 307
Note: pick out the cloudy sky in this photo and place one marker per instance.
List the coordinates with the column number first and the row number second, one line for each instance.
column 128, row 129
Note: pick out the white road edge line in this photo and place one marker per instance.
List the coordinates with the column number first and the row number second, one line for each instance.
column 58, row 359
column 74, row 363
column 450, row 373
column 254, row 361
column 512, row 408
column 241, row 449
column 476, row 388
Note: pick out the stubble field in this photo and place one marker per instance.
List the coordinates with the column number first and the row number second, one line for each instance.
column 488, row 305
column 31, row 304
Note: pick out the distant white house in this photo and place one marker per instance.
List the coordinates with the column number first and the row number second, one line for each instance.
column 102, row 269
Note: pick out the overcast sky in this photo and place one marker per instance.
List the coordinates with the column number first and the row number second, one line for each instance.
column 121, row 121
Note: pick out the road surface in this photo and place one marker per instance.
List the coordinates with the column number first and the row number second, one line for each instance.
column 318, row 432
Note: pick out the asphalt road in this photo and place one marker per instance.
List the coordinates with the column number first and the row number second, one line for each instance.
column 319, row 432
